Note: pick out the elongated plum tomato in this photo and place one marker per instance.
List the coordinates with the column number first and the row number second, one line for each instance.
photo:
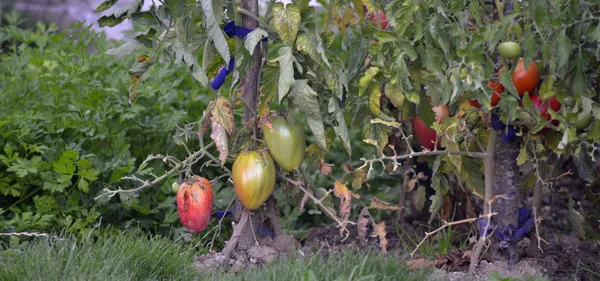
column 195, row 203
column 286, row 141
column 509, row 50
column 372, row 17
column 542, row 107
column 526, row 80
column 427, row 136
column 253, row 176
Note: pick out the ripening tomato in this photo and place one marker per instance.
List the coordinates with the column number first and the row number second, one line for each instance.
column 286, row 141
column 509, row 50
column 427, row 136
column 542, row 107
column 526, row 80
column 253, row 176
column 498, row 89
column 372, row 17
column 195, row 203
column 583, row 120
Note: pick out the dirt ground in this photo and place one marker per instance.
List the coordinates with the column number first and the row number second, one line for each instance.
column 566, row 257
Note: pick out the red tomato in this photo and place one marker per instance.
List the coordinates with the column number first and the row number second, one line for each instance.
column 372, row 17
column 526, row 80
column 427, row 136
column 498, row 89
column 195, row 204
column 542, row 107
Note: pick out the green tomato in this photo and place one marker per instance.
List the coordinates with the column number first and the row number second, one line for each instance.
column 286, row 141
column 175, row 186
column 509, row 50
column 253, row 176
column 583, row 120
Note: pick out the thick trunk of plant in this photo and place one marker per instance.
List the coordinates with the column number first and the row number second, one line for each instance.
column 506, row 183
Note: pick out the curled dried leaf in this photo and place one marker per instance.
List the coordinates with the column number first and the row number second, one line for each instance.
column 361, row 224
column 377, row 203
column 379, row 231
column 341, row 191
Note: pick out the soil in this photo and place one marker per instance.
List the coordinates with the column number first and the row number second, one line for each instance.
column 565, row 257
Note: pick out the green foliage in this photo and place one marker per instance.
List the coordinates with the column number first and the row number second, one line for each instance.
column 67, row 131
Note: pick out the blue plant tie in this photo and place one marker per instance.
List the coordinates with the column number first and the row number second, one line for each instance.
column 510, row 233
column 508, row 135
column 231, row 30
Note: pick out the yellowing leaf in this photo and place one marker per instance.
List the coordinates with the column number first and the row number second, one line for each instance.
column 418, row 198
column 375, row 102
column 523, row 156
column 366, row 80
column 220, row 115
column 286, row 21
column 341, row 191
column 394, row 93
column 359, row 176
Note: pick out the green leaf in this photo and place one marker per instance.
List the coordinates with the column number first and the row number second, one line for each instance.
column 576, row 220
column 105, row 6
column 562, row 47
column 111, row 20
column 124, row 50
column 121, row 14
column 144, row 18
column 369, row 4
column 254, row 38
column 394, row 93
column 585, row 166
column 413, row 97
column 182, row 54
column 90, row 174
column 214, row 31
column 305, row 98
column 311, row 44
column 286, row 72
column 341, row 129
column 83, row 185
column 376, row 134
column 286, row 21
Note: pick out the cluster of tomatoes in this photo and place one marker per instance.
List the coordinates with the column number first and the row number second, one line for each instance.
column 524, row 80
column 253, row 173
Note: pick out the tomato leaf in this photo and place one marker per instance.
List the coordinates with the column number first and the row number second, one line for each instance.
column 286, row 21
column 366, row 79
column 394, row 93
column 379, row 204
column 306, row 99
column 286, row 72
column 585, row 167
column 379, row 231
column 361, row 224
column 214, row 31
column 375, row 101
column 105, row 6
column 253, row 38
column 341, row 129
column 576, row 220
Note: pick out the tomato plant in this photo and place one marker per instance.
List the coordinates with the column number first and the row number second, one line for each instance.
column 286, row 141
column 526, row 80
column 195, row 203
column 542, row 107
column 253, row 176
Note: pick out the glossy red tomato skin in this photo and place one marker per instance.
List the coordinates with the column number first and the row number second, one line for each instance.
column 427, row 136
column 286, row 141
column 498, row 90
column 195, row 204
column 253, row 176
column 542, row 107
column 526, row 80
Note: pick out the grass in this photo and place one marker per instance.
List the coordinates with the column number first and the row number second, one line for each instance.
column 129, row 257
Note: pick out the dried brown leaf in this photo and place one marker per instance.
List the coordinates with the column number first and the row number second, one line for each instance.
column 379, row 231
column 222, row 114
column 446, row 207
column 361, row 224
column 377, row 203
column 341, row 191
column 219, row 136
column 325, row 168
